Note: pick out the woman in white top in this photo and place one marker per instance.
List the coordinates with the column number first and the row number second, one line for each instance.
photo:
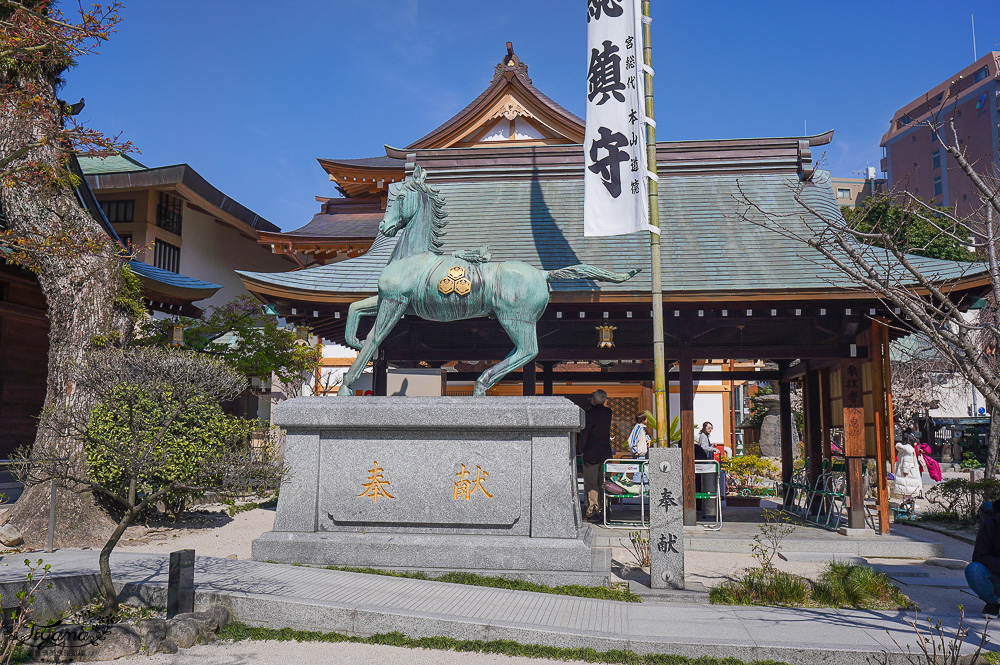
column 908, row 470
column 638, row 440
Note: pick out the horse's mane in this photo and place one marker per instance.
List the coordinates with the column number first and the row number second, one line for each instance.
column 438, row 214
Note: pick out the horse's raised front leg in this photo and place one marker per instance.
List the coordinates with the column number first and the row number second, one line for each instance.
column 522, row 333
column 389, row 313
column 366, row 307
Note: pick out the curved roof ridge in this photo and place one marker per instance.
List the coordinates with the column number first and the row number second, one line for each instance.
column 506, row 72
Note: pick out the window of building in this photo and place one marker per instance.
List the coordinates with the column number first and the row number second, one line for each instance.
column 937, row 186
column 980, row 75
column 934, row 136
column 843, row 193
column 118, row 211
column 903, row 121
column 936, row 159
column 169, row 213
column 126, row 239
column 166, row 256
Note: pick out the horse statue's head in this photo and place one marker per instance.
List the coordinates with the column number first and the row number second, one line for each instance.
column 413, row 199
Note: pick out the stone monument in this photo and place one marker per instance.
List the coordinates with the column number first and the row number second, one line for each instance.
column 770, row 428
column 434, row 484
column 666, row 519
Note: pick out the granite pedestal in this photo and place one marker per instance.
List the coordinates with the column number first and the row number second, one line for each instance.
column 434, row 484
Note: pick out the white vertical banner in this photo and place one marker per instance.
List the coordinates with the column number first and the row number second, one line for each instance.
column 616, row 190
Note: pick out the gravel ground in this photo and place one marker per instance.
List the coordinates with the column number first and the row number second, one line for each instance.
column 346, row 653
column 209, row 532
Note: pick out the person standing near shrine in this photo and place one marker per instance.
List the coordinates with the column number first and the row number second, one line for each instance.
column 594, row 445
column 705, row 449
column 983, row 574
column 638, row 440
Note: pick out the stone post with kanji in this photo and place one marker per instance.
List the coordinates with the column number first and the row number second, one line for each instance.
column 666, row 519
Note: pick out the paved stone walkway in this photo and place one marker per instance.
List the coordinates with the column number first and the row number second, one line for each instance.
column 314, row 599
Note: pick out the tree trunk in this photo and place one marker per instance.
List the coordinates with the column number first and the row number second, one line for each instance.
column 992, row 443
column 78, row 270
column 104, row 560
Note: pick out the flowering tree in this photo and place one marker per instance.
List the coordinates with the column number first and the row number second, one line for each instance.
column 882, row 256
column 44, row 227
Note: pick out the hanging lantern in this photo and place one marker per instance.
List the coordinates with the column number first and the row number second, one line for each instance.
column 606, row 336
column 302, row 333
column 176, row 334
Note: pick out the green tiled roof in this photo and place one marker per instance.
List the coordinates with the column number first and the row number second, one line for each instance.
column 706, row 247
column 113, row 164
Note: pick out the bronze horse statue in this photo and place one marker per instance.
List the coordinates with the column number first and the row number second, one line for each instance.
column 420, row 279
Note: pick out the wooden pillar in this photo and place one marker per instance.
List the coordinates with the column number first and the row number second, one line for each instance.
column 811, row 398
column 547, row 378
column 825, row 411
column 890, row 420
column 646, row 398
column 528, row 379
column 879, row 349
column 380, row 374
column 785, row 409
column 687, row 437
column 854, row 439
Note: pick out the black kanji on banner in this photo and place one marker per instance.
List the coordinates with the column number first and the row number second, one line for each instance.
column 604, row 77
column 609, row 166
column 610, row 8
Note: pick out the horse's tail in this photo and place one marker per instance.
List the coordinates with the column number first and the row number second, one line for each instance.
column 584, row 271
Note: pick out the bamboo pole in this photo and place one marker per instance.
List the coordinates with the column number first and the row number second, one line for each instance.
column 659, row 362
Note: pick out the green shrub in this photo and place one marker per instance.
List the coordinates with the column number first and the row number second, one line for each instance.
column 762, row 587
column 745, row 474
column 970, row 461
column 839, row 585
column 845, row 585
column 130, row 422
column 959, row 499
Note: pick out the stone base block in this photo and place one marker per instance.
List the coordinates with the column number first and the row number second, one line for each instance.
column 434, row 484
column 551, row 561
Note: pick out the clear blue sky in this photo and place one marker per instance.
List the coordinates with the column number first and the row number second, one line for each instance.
column 250, row 93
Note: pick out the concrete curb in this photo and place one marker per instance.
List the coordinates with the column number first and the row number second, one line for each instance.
column 944, row 532
column 281, row 596
column 363, row 621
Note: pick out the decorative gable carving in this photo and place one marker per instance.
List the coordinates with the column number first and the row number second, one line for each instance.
column 509, row 108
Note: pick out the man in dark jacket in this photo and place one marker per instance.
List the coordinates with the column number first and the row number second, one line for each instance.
column 983, row 574
column 594, row 445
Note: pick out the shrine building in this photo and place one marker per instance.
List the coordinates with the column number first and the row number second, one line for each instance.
column 510, row 169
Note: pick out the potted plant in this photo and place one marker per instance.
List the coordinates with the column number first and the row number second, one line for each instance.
column 748, row 478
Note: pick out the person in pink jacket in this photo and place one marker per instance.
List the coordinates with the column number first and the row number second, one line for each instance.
column 933, row 468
